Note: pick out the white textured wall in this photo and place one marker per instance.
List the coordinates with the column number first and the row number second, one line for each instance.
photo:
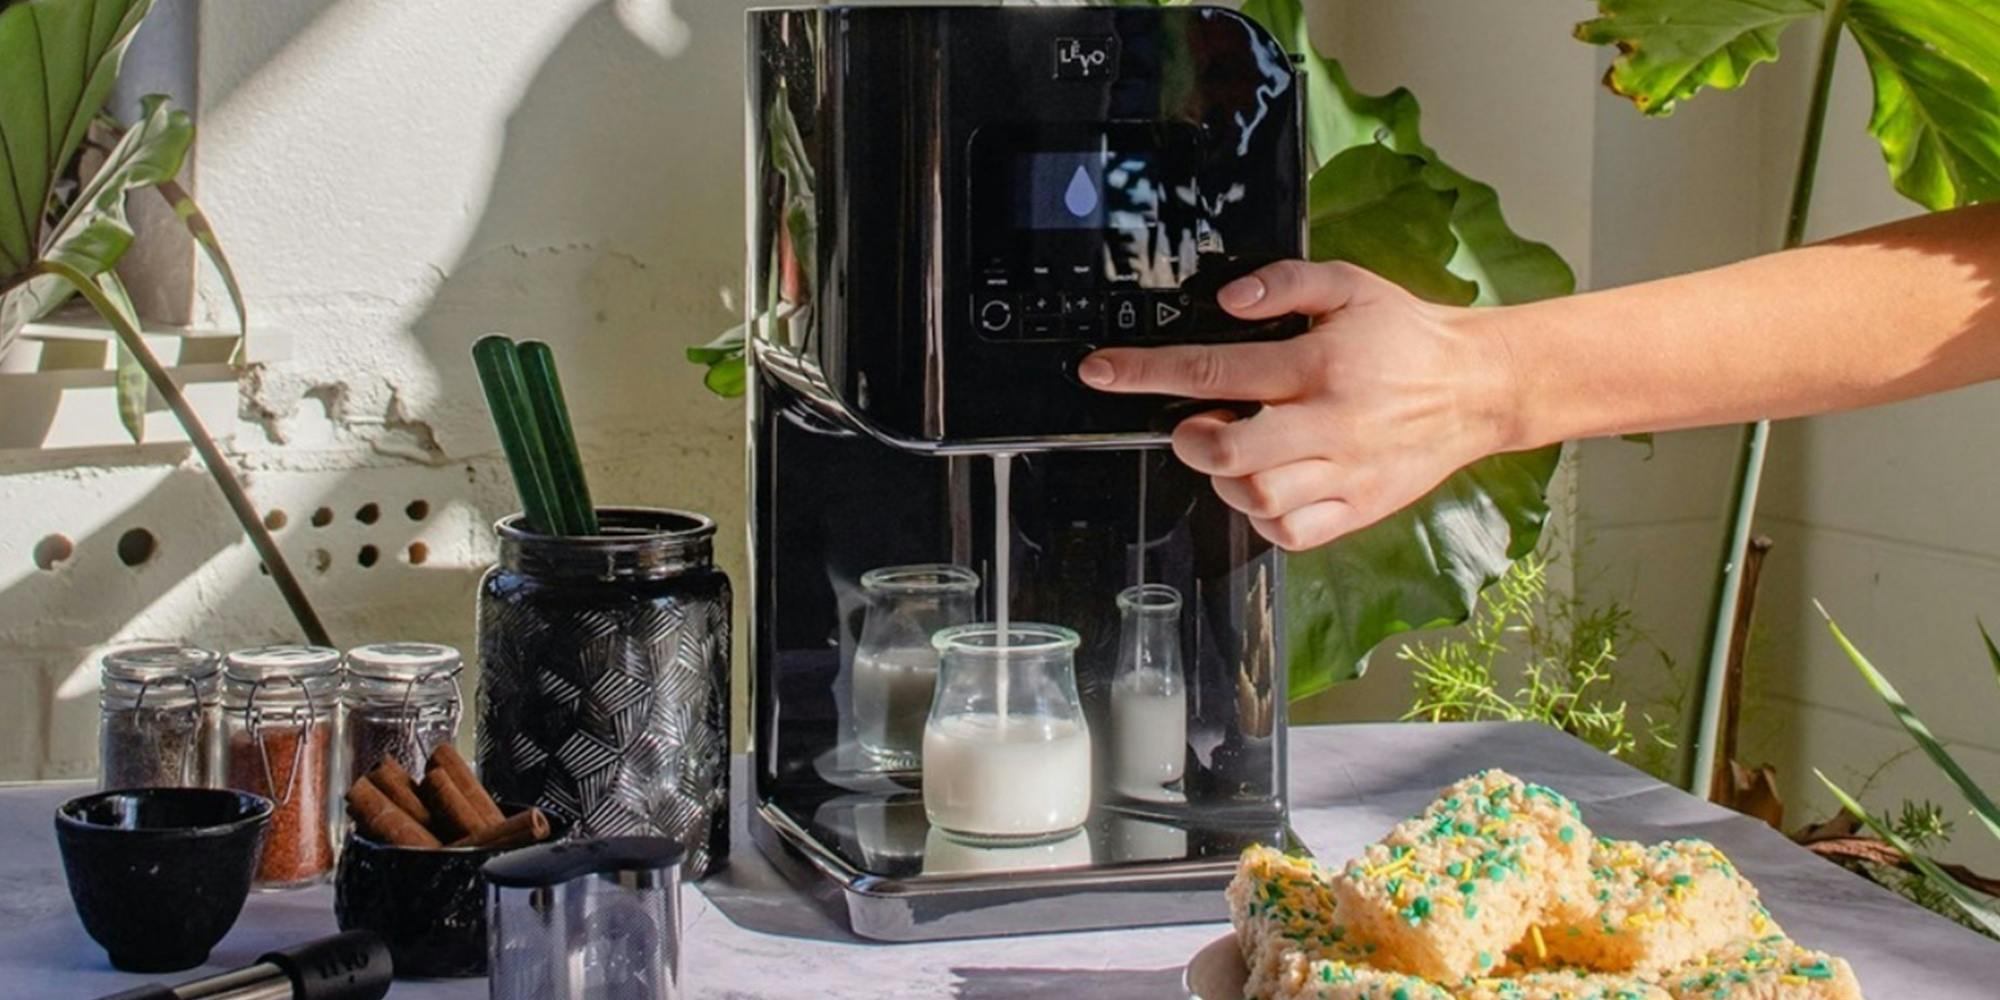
column 392, row 180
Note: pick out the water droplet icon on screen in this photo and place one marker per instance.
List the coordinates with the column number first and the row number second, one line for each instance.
column 1081, row 196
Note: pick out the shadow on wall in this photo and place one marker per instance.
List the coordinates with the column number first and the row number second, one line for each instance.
column 605, row 230
column 608, row 230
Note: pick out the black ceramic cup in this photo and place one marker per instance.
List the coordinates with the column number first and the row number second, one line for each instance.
column 159, row 875
column 429, row 904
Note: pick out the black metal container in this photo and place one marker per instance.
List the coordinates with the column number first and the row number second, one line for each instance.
column 604, row 679
column 427, row 903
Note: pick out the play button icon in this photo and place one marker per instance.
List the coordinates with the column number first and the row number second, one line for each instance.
column 1170, row 313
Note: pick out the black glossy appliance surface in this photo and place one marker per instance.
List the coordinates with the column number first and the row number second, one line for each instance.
column 950, row 207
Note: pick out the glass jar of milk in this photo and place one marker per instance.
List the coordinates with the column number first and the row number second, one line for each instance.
column 1006, row 748
column 895, row 664
column 1148, row 694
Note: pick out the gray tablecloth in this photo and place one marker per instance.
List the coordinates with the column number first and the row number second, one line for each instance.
column 750, row 935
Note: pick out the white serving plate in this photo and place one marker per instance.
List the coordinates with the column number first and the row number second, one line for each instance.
column 1216, row 972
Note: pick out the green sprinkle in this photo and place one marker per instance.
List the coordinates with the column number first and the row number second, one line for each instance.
column 1567, row 834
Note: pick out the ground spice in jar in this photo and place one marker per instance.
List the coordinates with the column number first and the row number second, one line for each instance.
column 158, row 718
column 410, row 741
column 402, row 701
column 280, row 711
column 298, row 846
column 155, row 748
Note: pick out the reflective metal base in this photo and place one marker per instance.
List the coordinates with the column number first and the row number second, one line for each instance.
column 936, row 906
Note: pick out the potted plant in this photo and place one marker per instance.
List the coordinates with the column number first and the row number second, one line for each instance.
column 65, row 228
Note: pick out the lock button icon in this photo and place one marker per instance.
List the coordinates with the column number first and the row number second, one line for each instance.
column 1128, row 314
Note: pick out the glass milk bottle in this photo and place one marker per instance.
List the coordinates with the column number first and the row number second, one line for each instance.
column 1148, row 693
column 895, row 665
column 1006, row 748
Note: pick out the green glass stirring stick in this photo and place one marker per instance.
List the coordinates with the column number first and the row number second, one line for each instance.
column 545, row 397
column 513, row 417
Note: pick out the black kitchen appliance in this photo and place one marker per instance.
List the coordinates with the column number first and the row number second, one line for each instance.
column 949, row 208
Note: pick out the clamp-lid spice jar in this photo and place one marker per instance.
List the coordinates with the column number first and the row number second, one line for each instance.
column 402, row 701
column 280, row 713
column 159, row 718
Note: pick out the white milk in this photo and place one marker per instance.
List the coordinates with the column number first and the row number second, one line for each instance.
column 1148, row 734
column 946, row 855
column 892, row 697
column 1023, row 776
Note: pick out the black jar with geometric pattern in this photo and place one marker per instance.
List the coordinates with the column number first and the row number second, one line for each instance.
column 604, row 678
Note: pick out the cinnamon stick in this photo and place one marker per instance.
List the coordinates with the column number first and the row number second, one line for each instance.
column 380, row 818
column 452, row 814
column 454, row 763
column 401, row 789
column 526, row 827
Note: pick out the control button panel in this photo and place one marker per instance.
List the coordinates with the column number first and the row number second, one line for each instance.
column 1117, row 316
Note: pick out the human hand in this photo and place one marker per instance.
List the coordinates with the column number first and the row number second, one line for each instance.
column 1384, row 397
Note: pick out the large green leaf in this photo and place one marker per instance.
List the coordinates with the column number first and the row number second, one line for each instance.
column 1507, row 267
column 1371, row 206
column 1669, row 49
column 1420, row 568
column 93, row 233
column 1383, row 199
column 1935, row 64
column 58, row 59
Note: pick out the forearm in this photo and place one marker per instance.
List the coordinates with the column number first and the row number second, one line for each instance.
column 1882, row 315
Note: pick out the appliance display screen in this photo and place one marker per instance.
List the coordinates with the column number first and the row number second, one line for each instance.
column 1094, row 189
column 1088, row 205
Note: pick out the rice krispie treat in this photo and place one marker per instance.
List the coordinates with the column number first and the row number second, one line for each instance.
column 1561, row 984
column 1300, row 978
column 1655, row 908
column 1278, row 896
column 1448, row 891
column 1767, row 968
column 1283, row 906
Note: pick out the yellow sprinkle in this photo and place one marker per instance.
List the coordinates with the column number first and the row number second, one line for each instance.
column 1541, row 950
column 1793, row 980
column 1392, row 867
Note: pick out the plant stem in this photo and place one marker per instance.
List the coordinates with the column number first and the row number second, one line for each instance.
column 1756, row 440
column 211, row 456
